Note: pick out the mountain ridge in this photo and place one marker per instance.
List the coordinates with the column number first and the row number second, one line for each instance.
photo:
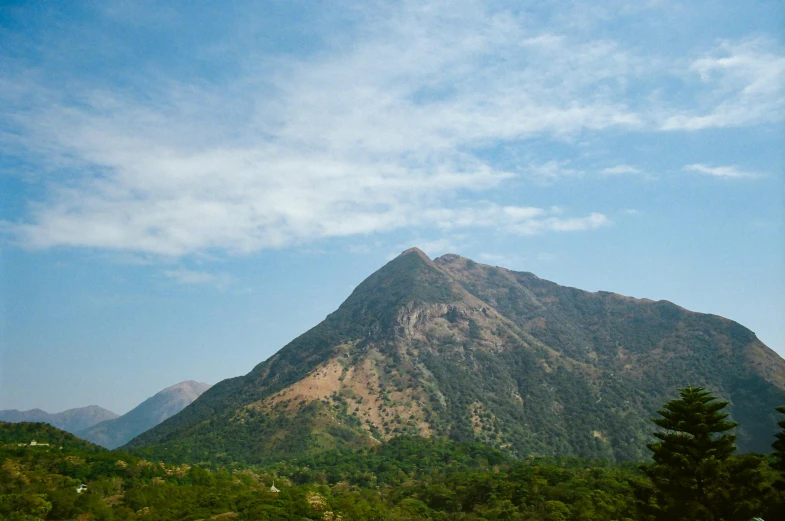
column 71, row 420
column 451, row 347
column 113, row 433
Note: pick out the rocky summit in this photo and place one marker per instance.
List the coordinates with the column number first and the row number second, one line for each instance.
column 453, row 348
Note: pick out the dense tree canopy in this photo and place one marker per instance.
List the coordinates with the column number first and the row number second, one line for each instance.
column 693, row 475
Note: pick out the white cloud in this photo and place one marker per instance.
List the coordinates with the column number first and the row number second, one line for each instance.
column 380, row 130
column 362, row 140
column 552, row 171
column 727, row 172
column 621, row 170
column 494, row 259
column 514, row 219
column 192, row 277
column 744, row 84
column 536, row 226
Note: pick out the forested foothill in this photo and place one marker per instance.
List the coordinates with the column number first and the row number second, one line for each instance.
column 694, row 473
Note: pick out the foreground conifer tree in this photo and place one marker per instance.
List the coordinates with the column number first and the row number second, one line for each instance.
column 694, row 475
column 779, row 445
column 777, row 500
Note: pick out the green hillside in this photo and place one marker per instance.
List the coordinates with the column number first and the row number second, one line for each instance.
column 452, row 348
column 37, row 436
column 407, row 478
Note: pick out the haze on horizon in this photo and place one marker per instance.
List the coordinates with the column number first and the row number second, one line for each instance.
column 187, row 188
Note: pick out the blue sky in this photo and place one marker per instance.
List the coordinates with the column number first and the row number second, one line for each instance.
column 185, row 187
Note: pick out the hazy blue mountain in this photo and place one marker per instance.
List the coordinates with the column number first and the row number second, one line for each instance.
column 450, row 347
column 115, row 432
column 72, row 420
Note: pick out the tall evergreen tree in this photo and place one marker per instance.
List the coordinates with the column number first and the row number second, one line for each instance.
column 779, row 444
column 776, row 501
column 693, row 475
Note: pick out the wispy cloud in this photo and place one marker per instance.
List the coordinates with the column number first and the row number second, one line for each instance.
column 494, row 259
column 574, row 224
column 744, row 84
column 363, row 140
column 383, row 129
column 727, row 172
column 519, row 220
column 192, row 277
column 621, row 170
column 552, row 171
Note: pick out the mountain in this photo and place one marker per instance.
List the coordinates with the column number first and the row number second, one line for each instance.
column 115, row 432
column 72, row 420
column 450, row 347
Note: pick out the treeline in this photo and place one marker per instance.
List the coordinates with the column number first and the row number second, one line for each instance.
column 37, row 484
column 694, row 474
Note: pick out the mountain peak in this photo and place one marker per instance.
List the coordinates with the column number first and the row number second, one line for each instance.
column 415, row 251
column 187, row 385
column 164, row 404
column 451, row 347
column 448, row 257
column 411, row 276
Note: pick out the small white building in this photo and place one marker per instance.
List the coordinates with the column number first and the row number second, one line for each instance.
column 273, row 489
column 81, row 488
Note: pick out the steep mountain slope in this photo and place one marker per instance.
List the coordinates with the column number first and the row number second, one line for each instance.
column 72, row 420
column 454, row 348
column 164, row 404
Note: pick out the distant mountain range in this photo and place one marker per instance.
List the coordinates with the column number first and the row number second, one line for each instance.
column 106, row 428
column 115, row 432
column 72, row 420
column 450, row 347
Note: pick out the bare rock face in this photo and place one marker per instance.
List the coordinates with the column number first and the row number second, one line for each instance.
column 164, row 404
column 450, row 347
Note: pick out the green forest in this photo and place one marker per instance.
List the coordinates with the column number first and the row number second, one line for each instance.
column 694, row 473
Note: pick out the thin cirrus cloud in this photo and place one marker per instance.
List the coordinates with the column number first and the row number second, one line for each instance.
column 621, row 170
column 518, row 219
column 726, row 172
column 627, row 170
column 380, row 131
column 194, row 277
column 747, row 80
